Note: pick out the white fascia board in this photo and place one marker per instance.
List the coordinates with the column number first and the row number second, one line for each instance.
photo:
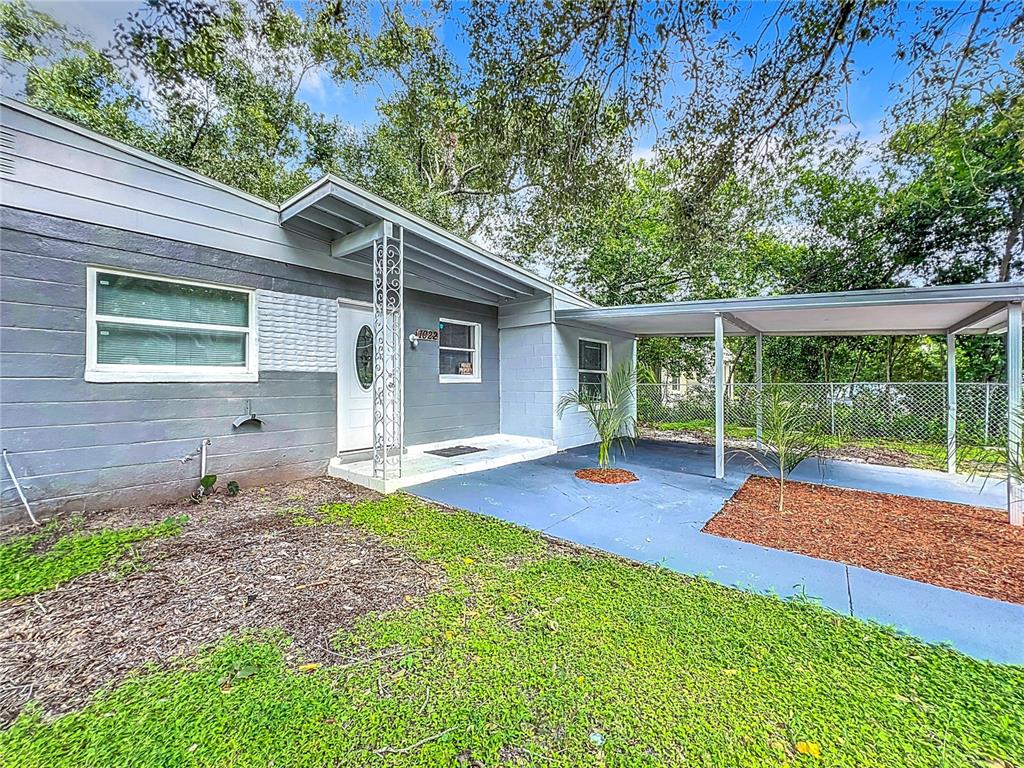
column 991, row 292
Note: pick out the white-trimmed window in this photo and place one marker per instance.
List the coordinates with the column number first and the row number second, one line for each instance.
column 149, row 328
column 593, row 369
column 458, row 351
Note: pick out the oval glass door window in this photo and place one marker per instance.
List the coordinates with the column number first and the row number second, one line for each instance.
column 364, row 357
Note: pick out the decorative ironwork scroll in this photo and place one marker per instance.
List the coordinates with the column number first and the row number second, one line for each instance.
column 388, row 352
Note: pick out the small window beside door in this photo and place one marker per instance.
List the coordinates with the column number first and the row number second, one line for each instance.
column 593, row 370
column 458, row 351
column 148, row 328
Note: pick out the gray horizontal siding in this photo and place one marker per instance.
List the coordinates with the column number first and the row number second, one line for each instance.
column 59, row 169
column 28, row 440
column 524, row 313
column 29, row 234
column 131, row 491
column 34, row 339
column 49, row 414
column 436, row 411
column 80, row 445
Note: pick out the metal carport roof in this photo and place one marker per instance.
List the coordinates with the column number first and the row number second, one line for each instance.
column 963, row 309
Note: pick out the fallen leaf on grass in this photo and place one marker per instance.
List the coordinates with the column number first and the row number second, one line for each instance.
column 808, row 748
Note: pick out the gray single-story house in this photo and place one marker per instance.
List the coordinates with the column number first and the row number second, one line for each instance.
column 156, row 324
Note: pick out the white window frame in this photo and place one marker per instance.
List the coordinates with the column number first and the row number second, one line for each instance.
column 607, row 363
column 117, row 373
column 455, row 378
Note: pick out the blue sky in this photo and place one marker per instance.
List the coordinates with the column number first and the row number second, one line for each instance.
column 869, row 96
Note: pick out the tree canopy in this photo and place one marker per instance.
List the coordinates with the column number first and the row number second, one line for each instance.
column 523, row 134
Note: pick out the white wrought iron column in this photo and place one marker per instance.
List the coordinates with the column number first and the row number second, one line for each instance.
column 388, row 354
column 719, row 397
column 759, row 393
column 1014, row 497
column 951, row 403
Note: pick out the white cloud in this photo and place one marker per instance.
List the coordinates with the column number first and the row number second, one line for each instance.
column 95, row 20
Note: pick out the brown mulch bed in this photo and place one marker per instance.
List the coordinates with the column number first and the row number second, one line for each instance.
column 606, row 476
column 240, row 563
column 972, row 549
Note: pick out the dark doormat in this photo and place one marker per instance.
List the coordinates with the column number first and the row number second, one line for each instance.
column 455, row 450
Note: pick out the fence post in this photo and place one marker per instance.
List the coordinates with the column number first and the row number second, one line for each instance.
column 988, row 407
column 832, row 406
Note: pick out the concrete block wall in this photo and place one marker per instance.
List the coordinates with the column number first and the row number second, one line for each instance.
column 81, row 445
column 527, row 395
column 573, row 428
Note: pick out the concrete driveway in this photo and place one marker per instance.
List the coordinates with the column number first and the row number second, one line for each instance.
column 659, row 520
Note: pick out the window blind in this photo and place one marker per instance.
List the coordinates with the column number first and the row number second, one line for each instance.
column 127, row 296
column 121, row 344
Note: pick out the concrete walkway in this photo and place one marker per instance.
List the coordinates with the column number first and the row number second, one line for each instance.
column 659, row 520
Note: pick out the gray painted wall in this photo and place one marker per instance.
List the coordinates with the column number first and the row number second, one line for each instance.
column 573, row 428
column 436, row 411
column 77, row 444
column 527, row 393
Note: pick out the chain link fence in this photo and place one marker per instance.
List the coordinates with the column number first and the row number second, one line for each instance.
column 902, row 412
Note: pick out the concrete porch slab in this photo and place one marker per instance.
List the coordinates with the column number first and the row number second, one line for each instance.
column 419, row 466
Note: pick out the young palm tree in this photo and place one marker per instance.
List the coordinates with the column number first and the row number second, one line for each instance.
column 993, row 463
column 610, row 411
column 791, row 433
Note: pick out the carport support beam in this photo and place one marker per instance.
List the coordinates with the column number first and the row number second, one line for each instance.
column 1014, row 502
column 719, row 397
column 951, row 403
column 759, row 385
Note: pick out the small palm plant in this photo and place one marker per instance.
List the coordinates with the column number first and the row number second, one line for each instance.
column 609, row 408
column 791, row 434
column 1000, row 464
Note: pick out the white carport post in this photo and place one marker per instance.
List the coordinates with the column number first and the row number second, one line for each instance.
column 951, row 403
column 759, row 387
column 1015, row 502
column 719, row 397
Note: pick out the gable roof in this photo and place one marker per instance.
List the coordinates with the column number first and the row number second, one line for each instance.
column 438, row 260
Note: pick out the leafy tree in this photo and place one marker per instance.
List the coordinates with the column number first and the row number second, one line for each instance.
column 961, row 214
column 729, row 103
column 214, row 88
column 458, row 144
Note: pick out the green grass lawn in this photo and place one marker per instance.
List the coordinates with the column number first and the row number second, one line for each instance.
column 533, row 655
column 28, row 565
